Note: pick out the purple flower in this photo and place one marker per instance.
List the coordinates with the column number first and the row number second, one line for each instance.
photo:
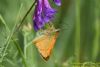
column 38, row 19
column 43, row 13
column 48, row 12
column 57, row 2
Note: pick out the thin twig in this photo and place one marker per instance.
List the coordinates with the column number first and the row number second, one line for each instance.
column 25, row 16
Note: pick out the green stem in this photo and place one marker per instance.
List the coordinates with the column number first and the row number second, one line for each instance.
column 25, row 44
column 25, row 16
column 21, row 53
column 77, row 32
column 96, row 38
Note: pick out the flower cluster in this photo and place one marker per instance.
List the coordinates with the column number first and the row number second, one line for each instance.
column 43, row 13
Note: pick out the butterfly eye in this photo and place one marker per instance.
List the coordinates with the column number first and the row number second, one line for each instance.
column 39, row 33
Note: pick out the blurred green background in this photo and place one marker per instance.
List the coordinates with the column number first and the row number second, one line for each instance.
column 78, row 41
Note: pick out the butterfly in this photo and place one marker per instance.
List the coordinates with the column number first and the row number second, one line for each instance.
column 45, row 42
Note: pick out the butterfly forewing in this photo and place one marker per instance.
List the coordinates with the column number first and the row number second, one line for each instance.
column 45, row 44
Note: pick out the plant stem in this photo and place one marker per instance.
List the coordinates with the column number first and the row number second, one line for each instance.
column 96, row 38
column 77, row 32
column 25, row 16
column 21, row 53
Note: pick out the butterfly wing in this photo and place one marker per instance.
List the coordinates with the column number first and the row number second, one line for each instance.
column 45, row 45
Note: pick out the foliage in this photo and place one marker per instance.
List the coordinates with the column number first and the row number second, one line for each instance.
column 78, row 41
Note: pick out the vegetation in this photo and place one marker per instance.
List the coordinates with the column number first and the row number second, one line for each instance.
column 78, row 42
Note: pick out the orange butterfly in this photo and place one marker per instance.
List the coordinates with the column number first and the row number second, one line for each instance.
column 45, row 42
